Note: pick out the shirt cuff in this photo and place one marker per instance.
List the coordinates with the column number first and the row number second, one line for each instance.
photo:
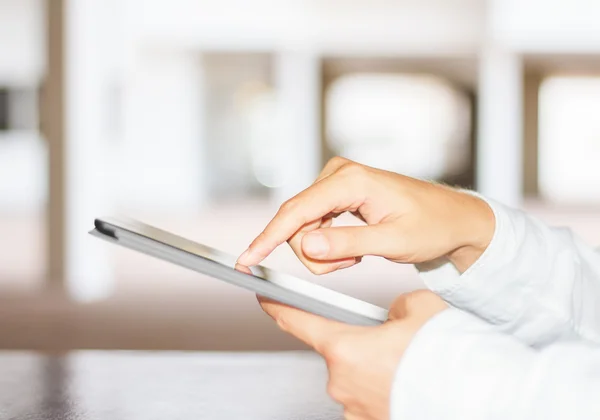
column 453, row 369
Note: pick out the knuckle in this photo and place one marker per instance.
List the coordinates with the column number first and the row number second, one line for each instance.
column 400, row 300
column 398, row 308
column 282, row 322
column 335, row 392
column 427, row 302
column 261, row 237
column 349, row 168
column 352, row 169
column 358, row 174
column 418, row 297
column 419, row 300
column 421, row 294
column 288, row 206
column 337, row 161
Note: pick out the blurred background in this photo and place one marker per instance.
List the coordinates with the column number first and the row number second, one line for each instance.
column 201, row 117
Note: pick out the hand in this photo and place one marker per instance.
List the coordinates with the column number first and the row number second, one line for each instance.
column 361, row 361
column 408, row 221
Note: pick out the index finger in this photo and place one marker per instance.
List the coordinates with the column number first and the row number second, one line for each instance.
column 332, row 194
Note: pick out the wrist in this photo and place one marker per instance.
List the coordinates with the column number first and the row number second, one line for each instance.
column 476, row 231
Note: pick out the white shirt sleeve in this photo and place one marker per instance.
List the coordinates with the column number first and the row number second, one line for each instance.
column 537, row 283
column 460, row 367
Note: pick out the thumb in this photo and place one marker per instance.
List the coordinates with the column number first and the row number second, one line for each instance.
column 349, row 241
column 312, row 329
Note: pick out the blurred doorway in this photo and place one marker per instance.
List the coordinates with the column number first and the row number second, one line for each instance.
column 569, row 139
column 409, row 116
column 562, row 128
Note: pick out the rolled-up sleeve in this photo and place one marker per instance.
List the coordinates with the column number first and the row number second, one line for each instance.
column 537, row 283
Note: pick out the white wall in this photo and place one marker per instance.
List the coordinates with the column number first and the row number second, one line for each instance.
column 346, row 27
column 22, row 47
column 160, row 155
column 568, row 144
column 547, row 26
column 23, row 166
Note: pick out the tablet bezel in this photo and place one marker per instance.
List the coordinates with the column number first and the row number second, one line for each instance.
column 169, row 247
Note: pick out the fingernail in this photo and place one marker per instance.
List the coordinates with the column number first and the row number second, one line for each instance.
column 315, row 244
column 242, row 268
column 243, row 259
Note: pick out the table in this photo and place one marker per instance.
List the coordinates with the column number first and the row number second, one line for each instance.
column 96, row 385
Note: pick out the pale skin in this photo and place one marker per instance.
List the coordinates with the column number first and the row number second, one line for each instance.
column 406, row 221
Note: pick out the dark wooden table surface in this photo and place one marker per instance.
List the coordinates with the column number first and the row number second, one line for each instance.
column 94, row 385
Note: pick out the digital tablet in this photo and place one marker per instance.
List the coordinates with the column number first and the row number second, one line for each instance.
column 263, row 281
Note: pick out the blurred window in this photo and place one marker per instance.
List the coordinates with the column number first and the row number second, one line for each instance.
column 569, row 139
column 419, row 125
